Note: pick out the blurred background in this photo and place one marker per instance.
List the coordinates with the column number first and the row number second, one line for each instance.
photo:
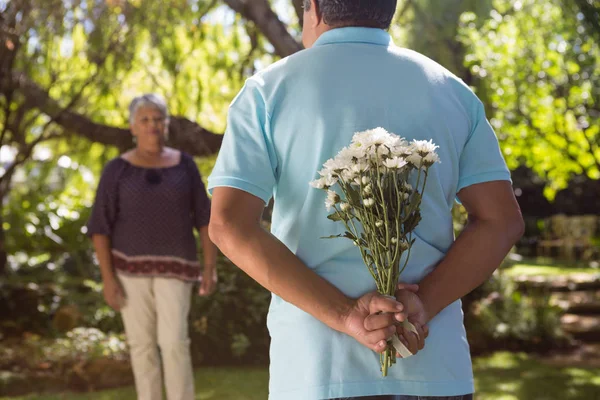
column 68, row 70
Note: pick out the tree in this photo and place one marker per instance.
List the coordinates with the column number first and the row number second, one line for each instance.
column 64, row 66
column 537, row 68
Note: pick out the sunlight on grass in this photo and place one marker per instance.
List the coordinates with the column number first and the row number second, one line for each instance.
column 508, row 376
column 548, row 270
column 502, row 376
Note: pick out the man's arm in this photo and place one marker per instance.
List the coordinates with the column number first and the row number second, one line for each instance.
column 235, row 228
column 494, row 226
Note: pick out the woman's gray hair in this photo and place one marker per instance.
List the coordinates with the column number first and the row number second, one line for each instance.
column 148, row 100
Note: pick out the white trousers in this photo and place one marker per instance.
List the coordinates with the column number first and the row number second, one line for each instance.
column 155, row 316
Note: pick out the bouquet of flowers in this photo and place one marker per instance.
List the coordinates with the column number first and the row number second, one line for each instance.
column 369, row 188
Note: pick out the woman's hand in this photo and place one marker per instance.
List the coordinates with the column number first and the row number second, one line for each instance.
column 209, row 281
column 113, row 294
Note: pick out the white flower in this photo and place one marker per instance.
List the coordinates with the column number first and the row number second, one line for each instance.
column 379, row 223
column 395, row 163
column 431, row 159
column 401, row 149
column 369, row 202
column 318, row 183
column 359, row 167
column 394, row 240
column 407, row 187
column 365, row 180
column 383, row 150
column 329, row 178
column 405, row 196
column 345, row 206
column 423, row 147
column 372, row 137
column 415, row 159
column 332, row 199
column 349, row 155
column 368, row 189
column 348, row 175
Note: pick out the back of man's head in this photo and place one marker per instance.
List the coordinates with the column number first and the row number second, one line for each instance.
column 367, row 13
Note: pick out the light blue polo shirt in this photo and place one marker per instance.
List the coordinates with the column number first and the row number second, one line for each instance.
column 283, row 125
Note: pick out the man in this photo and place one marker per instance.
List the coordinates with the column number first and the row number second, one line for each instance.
column 289, row 119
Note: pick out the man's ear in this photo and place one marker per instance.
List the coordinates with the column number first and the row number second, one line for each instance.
column 315, row 13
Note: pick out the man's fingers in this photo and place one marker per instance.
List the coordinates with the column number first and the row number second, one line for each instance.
column 377, row 340
column 412, row 340
column 411, row 287
column 380, row 321
column 420, row 336
column 381, row 303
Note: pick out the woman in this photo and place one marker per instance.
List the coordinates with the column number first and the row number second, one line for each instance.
column 148, row 202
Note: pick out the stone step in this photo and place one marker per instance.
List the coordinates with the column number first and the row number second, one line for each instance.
column 572, row 282
column 578, row 302
column 584, row 327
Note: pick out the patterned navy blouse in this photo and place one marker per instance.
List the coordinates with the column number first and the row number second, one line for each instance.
column 149, row 215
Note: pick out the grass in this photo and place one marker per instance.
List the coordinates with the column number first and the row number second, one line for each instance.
column 549, row 270
column 211, row 384
column 502, row 376
column 509, row 376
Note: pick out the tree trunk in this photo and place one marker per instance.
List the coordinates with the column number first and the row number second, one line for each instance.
column 3, row 254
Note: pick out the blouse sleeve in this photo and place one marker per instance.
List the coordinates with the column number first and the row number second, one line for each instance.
column 105, row 210
column 200, row 200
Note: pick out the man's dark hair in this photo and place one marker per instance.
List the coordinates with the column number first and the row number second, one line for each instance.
column 367, row 13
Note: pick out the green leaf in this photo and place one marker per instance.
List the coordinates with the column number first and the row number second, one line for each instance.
column 353, row 196
column 349, row 235
column 332, row 236
column 336, row 217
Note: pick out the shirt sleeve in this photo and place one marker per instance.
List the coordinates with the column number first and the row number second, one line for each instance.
column 247, row 159
column 200, row 200
column 105, row 209
column 481, row 159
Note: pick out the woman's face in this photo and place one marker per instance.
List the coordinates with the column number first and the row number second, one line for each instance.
column 149, row 127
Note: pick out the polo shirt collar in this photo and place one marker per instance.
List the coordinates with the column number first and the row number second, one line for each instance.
column 355, row 35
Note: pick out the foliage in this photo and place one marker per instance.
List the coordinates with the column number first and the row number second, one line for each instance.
column 538, row 70
column 85, row 358
column 498, row 316
column 229, row 327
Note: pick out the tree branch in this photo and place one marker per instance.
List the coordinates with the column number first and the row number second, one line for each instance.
column 299, row 7
column 183, row 133
column 260, row 12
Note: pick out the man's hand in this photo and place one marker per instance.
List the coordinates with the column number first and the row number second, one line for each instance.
column 209, row 281
column 372, row 320
column 415, row 311
column 113, row 294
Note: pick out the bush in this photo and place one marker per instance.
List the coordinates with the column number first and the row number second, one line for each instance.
column 229, row 327
column 85, row 359
column 498, row 316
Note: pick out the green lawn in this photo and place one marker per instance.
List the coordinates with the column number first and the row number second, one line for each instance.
column 508, row 376
column 211, row 384
column 548, row 270
column 503, row 376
